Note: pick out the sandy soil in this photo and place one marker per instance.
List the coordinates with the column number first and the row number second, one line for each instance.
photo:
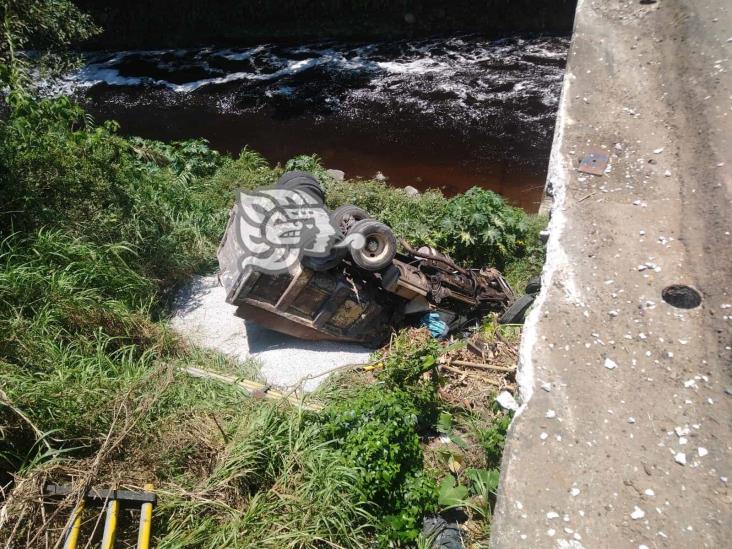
column 204, row 317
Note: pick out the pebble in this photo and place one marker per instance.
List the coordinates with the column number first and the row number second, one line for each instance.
column 680, row 458
column 610, row 364
column 702, row 451
column 649, row 492
column 637, row 513
column 506, row 400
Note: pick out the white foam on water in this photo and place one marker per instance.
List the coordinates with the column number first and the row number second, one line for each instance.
column 509, row 87
column 453, row 60
column 418, row 66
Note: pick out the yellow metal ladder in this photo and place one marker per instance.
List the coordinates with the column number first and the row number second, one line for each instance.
column 112, row 500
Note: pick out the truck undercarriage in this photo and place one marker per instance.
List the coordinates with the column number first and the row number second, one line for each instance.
column 362, row 296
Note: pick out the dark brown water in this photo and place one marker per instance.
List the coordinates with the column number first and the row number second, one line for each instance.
column 450, row 113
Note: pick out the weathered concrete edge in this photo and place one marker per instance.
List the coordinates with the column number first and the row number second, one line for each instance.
column 555, row 256
column 555, row 261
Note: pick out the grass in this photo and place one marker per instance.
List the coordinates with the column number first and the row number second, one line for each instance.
column 97, row 233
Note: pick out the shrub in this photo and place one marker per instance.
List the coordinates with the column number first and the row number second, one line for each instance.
column 377, row 429
column 376, row 432
column 477, row 228
column 98, row 229
column 493, row 438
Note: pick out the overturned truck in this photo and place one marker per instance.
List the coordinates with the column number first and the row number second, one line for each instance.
column 357, row 289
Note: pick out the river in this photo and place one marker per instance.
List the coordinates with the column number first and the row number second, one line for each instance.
column 448, row 113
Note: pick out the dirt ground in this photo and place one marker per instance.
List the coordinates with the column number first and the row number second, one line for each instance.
column 625, row 441
column 203, row 318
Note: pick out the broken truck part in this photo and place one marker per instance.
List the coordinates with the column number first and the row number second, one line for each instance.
column 357, row 293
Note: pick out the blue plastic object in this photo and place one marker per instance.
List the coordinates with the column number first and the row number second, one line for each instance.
column 434, row 323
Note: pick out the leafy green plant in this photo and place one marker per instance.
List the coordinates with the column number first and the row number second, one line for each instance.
column 376, row 431
column 186, row 159
column 307, row 163
column 481, row 228
column 493, row 438
column 452, row 493
column 49, row 28
column 377, row 428
column 477, row 228
column 410, row 364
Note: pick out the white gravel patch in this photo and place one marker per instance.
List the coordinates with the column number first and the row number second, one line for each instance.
column 205, row 319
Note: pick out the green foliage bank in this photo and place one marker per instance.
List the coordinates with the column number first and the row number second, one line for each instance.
column 96, row 232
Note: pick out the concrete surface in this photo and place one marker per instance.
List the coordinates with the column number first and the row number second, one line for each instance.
column 638, row 454
column 205, row 319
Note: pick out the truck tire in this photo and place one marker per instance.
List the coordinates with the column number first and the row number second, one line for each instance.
column 516, row 313
column 293, row 174
column 380, row 247
column 533, row 286
column 344, row 217
column 319, row 264
column 302, row 181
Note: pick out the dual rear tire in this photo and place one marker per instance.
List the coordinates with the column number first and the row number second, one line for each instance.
column 297, row 180
column 380, row 245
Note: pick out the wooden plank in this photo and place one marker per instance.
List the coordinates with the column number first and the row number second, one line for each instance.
column 482, row 366
column 253, row 388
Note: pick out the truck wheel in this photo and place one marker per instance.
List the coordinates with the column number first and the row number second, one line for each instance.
column 533, row 286
column 380, row 247
column 302, row 181
column 320, row 264
column 346, row 216
column 516, row 313
column 293, row 174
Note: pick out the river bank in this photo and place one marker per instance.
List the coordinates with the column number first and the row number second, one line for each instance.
column 439, row 113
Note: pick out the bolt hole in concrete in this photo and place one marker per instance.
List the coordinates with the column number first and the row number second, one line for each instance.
column 681, row 296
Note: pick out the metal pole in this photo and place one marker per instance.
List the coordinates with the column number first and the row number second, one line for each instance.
column 110, row 525
column 72, row 533
column 143, row 537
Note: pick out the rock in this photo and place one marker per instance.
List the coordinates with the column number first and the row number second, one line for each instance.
column 337, row 175
column 506, row 400
column 411, row 191
column 380, row 176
